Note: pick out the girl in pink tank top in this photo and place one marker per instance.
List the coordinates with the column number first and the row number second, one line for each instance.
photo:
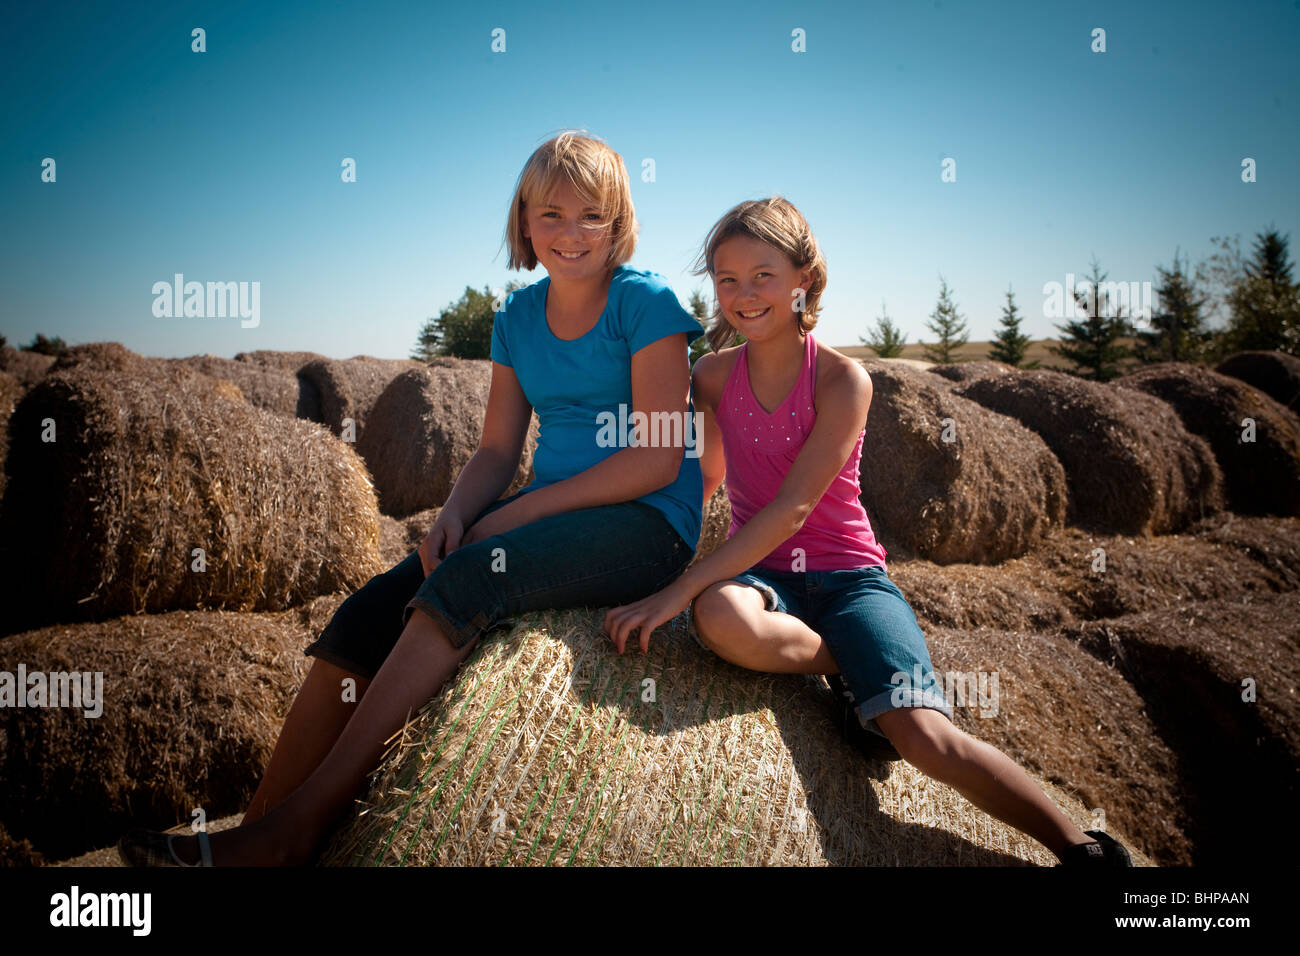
column 800, row 585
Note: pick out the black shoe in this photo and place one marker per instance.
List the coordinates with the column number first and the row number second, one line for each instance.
column 1107, row 851
column 872, row 746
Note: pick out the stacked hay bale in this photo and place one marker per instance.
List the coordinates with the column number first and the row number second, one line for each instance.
column 1276, row 374
column 969, row 371
column 1131, row 465
column 1219, row 681
column 1255, row 439
column 189, row 703
column 117, row 477
column 11, row 391
column 348, row 389
column 944, row 479
column 27, row 367
column 551, row 749
column 284, row 361
column 263, row 386
column 423, row 430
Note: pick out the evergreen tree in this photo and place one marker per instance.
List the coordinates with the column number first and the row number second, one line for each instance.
column 1177, row 332
column 463, row 329
column 1009, row 344
column 1092, row 343
column 698, row 306
column 947, row 325
column 1260, row 295
column 885, row 338
column 53, row 346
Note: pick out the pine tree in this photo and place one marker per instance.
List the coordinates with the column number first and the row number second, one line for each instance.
column 46, row 346
column 885, row 338
column 947, row 325
column 1009, row 344
column 1177, row 332
column 1092, row 343
column 698, row 306
column 1262, row 298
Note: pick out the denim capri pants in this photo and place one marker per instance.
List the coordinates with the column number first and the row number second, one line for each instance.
column 870, row 630
column 593, row 557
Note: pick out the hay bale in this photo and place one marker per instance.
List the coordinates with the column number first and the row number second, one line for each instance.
column 284, row 361
column 715, row 524
column 105, row 357
column 191, row 705
column 146, row 469
column 18, row 852
column 348, row 388
column 969, row 371
column 1276, row 374
column 11, row 390
column 990, row 493
column 1262, row 476
column 1064, row 715
column 1062, row 582
column 1192, row 667
column 543, row 752
column 27, row 367
column 262, row 386
column 1131, row 466
column 422, row 431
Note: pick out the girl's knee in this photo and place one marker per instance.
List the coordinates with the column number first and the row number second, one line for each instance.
column 923, row 737
column 718, row 610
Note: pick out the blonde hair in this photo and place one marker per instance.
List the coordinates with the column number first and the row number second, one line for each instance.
column 777, row 222
column 597, row 175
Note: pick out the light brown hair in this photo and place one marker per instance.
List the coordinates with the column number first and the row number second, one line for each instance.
column 777, row 222
column 597, row 175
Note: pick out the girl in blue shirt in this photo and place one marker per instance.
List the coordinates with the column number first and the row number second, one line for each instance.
column 612, row 516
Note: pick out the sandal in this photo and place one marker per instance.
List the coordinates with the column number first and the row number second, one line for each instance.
column 142, row 847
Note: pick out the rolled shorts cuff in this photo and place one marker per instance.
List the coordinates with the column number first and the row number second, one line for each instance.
column 896, row 699
column 458, row 633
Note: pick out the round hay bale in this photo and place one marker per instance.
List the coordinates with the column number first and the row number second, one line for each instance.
column 1131, row 465
column 716, row 523
column 1190, row 667
column 189, row 708
column 27, row 367
column 1062, row 714
column 988, row 494
column 422, row 431
column 1276, row 374
column 551, row 749
column 1075, row 576
column 1262, row 474
column 284, row 361
column 18, row 852
column 104, row 357
column 969, row 371
column 348, row 388
column 262, row 386
column 146, row 469
column 11, row 390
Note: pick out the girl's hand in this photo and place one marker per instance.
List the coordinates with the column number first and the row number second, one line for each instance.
column 443, row 538
column 503, row 519
column 646, row 614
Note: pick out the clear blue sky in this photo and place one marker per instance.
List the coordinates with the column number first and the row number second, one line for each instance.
column 225, row 165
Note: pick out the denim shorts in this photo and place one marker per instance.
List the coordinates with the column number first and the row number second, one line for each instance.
column 593, row 557
column 870, row 630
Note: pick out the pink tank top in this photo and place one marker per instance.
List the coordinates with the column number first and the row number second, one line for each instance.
column 760, row 448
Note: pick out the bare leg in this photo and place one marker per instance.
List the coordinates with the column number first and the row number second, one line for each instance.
column 315, row 720
column 414, row 671
column 982, row 774
column 733, row 623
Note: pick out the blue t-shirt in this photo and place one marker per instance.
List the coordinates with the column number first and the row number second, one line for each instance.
column 571, row 383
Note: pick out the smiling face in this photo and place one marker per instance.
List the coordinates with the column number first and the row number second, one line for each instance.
column 563, row 239
column 755, row 284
